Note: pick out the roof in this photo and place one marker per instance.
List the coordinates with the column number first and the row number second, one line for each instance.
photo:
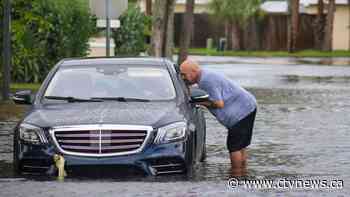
column 113, row 60
column 282, row 6
column 314, row 2
column 274, row 6
column 279, row 7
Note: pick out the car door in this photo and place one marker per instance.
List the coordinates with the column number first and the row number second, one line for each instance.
column 196, row 118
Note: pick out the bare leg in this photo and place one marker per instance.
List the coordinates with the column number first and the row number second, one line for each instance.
column 237, row 163
column 244, row 156
column 244, row 161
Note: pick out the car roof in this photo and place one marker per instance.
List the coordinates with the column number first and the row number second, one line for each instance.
column 154, row 61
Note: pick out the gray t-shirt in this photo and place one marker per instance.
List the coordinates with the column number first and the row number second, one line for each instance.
column 238, row 102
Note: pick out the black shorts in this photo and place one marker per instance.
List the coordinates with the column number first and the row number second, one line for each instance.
column 240, row 135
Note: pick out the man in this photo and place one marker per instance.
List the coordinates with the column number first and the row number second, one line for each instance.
column 233, row 106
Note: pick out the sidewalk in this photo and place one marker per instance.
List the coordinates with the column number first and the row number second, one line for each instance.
column 339, row 61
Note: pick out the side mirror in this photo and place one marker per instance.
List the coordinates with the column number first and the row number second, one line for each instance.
column 198, row 95
column 23, row 97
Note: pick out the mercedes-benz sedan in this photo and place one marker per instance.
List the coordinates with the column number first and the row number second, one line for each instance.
column 118, row 113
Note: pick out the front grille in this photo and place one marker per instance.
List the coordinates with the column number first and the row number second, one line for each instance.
column 101, row 140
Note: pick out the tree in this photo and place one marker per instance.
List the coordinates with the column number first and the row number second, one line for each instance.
column 235, row 14
column 319, row 25
column 293, row 24
column 45, row 31
column 162, row 40
column 328, row 38
column 186, row 31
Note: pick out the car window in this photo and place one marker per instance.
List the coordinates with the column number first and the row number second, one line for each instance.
column 143, row 82
column 185, row 88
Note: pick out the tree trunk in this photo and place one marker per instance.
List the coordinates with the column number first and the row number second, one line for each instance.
column 169, row 36
column 235, row 36
column 328, row 38
column 293, row 26
column 187, row 31
column 162, row 28
column 157, row 28
column 319, row 25
column 6, row 50
column 148, row 7
column 228, row 35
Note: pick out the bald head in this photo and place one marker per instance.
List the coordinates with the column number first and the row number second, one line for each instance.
column 190, row 71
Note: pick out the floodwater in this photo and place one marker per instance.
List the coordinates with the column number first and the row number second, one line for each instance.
column 301, row 133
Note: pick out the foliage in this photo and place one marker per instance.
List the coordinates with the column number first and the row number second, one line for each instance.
column 235, row 10
column 130, row 38
column 45, row 31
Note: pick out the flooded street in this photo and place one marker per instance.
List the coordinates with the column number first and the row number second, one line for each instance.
column 301, row 131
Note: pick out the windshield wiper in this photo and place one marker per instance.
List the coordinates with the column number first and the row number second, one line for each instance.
column 72, row 99
column 122, row 99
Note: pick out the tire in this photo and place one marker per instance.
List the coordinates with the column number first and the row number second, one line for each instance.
column 191, row 158
column 204, row 151
column 16, row 164
column 204, row 154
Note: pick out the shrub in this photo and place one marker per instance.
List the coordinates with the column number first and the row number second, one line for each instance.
column 130, row 38
column 45, row 31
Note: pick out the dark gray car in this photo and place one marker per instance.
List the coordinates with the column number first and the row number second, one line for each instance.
column 115, row 113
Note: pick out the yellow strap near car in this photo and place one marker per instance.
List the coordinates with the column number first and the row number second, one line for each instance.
column 59, row 163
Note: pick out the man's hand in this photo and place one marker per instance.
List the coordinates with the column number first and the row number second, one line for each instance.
column 212, row 104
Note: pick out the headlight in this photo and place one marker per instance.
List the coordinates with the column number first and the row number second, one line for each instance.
column 31, row 134
column 172, row 132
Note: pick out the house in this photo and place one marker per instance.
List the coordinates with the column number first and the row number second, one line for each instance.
column 277, row 9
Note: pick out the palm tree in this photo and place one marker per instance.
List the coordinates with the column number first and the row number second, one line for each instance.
column 186, row 31
column 235, row 14
column 328, row 38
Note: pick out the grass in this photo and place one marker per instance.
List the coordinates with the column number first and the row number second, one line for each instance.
column 304, row 53
column 24, row 86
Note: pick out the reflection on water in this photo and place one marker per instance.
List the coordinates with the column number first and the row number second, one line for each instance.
column 302, row 126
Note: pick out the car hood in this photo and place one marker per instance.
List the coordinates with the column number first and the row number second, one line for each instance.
column 133, row 113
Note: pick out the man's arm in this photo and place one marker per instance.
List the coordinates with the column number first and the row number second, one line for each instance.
column 215, row 97
column 213, row 104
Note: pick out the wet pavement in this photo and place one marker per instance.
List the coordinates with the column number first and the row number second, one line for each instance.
column 301, row 132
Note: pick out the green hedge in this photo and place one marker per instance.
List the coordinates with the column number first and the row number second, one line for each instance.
column 45, row 31
column 130, row 38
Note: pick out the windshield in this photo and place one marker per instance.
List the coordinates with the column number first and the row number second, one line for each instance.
column 112, row 81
